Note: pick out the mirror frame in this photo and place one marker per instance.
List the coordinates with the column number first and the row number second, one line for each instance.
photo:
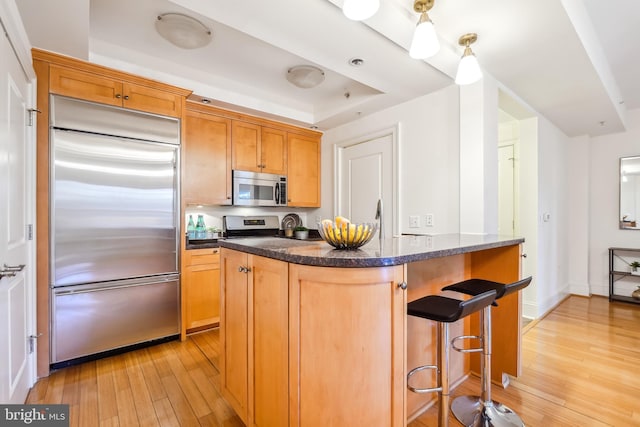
column 634, row 223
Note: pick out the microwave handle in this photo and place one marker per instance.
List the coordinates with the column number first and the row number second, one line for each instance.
column 277, row 193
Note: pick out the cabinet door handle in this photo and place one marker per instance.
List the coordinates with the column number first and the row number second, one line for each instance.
column 523, row 255
column 243, row 269
column 118, row 96
column 402, row 285
column 126, row 97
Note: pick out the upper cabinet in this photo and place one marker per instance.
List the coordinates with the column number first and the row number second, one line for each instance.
column 206, row 158
column 303, row 174
column 259, row 148
column 92, row 87
column 84, row 80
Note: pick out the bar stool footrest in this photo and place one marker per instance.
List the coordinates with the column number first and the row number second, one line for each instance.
column 467, row 350
column 471, row 412
column 422, row 390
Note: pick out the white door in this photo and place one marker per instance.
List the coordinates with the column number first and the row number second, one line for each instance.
column 506, row 199
column 17, row 361
column 365, row 175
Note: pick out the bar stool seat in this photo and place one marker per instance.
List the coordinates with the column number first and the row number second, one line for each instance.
column 482, row 410
column 444, row 310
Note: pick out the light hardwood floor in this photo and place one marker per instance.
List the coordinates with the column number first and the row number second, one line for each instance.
column 580, row 368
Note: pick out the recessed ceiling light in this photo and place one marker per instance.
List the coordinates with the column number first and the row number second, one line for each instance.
column 356, row 62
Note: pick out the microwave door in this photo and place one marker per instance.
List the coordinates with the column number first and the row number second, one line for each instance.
column 253, row 192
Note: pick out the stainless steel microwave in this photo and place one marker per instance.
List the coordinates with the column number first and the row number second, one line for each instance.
column 259, row 189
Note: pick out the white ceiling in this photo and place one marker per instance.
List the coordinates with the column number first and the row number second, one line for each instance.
column 571, row 60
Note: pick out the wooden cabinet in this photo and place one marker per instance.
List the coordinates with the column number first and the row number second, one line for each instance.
column 254, row 339
column 206, row 158
column 347, row 346
column 303, row 172
column 106, row 90
column 200, row 289
column 258, row 148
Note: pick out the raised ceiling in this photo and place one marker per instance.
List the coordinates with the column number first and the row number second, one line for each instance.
column 570, row 60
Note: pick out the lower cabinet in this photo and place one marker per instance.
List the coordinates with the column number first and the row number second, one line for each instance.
column 254, row 341
column 200, row 289
column 310, row 346
column 346, row 346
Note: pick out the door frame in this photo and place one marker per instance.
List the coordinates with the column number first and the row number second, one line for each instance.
column 395, row 132
column 11, row 21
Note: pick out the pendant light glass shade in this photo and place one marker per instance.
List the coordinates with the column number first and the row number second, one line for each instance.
column 468, row 69
column 425, row 41
column 359, row 10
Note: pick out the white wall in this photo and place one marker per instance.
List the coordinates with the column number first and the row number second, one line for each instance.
column 479, row 157
column 552, row 279
column 578, row 196
column 429, row 151
column 605, row 152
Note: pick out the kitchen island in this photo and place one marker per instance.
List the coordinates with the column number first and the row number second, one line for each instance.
column 312, row 336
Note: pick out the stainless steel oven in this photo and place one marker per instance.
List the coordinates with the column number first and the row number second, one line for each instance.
column 259, row 189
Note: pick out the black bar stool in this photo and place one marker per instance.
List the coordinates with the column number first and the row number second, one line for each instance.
column 444, row 311
column 482, row 410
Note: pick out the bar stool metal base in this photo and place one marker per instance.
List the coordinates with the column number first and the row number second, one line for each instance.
column 470, row 411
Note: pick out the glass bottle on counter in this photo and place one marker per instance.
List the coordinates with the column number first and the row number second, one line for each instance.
column 201, row 229
column 191, row 228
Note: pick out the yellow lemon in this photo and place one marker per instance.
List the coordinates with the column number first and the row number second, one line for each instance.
column 352, row 232
column 341, row 220
column 359, row 233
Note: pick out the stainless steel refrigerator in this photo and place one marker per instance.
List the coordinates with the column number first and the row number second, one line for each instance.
column 114, row 228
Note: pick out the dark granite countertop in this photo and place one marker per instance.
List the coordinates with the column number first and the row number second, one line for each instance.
column 393, row 251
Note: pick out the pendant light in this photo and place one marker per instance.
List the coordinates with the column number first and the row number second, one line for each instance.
column 468, row 70
column 359, row 10
column 425, row 41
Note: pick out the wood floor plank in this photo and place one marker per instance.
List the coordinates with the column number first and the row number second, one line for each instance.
column 71, row 393
column 165, row 414
column 88, row 395
column 126, row 408
column 141, row 398
column 108, row 402
column 179, row 402
column 196, row 400
column 151, row 377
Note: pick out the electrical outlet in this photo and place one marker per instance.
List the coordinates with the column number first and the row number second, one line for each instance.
column 428, row 220
column 414, row 221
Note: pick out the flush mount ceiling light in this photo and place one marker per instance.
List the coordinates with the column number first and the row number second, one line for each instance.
column 468, row 69
column 305, row 76
column 359, row 10
column 425, row 41
column 183, row 31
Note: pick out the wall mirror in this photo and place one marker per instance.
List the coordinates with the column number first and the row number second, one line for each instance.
column 630, row 193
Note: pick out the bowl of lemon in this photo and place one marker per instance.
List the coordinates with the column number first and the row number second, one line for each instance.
column 342, row 234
